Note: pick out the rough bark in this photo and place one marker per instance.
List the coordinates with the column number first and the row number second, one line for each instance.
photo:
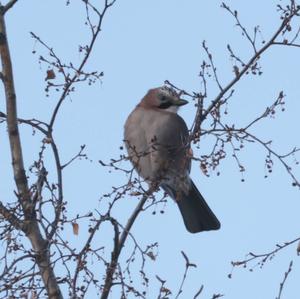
column 31, row 228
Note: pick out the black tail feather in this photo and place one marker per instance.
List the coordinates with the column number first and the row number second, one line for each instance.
column 196, row 214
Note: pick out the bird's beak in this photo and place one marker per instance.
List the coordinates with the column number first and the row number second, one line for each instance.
column 180, row 102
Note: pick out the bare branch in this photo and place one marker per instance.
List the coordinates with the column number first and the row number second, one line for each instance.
column 282, row 284
column 42, row 214
column 212, row 65
column 11, row 217
column 8, row 6
column 199, row 292
column 264, row 257
column 238, row 23
column 250, row 62
column 89, row 48
column 121, row 242
column 187, row 266
column 34, row 123
column 215, row 296
column 78, row 155
column 32, row 229
column 12, row 121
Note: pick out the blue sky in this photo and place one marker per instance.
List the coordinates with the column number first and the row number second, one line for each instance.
column 142, row 44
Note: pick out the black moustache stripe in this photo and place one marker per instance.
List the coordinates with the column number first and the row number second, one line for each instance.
column 165, row 105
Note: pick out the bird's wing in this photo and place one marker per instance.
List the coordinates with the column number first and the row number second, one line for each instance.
column 170, row 155
column 157, row 144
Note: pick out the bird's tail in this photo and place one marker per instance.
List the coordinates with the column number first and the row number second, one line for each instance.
column 196, row 214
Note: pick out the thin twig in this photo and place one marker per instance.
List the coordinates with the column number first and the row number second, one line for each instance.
column 199, row 292
column 264, row 256
column 248, row 65
column 11, row 218
column 82, row 64
column 187, row 266
column 121, row 242
column 282, row 284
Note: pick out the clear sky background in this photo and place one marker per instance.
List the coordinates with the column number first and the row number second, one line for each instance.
column 142, row 44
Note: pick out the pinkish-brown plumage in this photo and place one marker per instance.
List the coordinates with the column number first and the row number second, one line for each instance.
column 157, row 140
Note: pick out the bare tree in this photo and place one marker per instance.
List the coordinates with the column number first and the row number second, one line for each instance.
column 35, row 250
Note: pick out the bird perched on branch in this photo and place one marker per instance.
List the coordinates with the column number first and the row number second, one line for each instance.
column 157, row 140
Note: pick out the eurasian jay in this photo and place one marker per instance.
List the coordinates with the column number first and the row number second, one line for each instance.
column 157, row 141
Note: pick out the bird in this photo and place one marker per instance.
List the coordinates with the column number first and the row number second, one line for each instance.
column 157, row 142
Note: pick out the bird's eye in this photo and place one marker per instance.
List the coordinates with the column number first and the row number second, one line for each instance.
column 165, row 103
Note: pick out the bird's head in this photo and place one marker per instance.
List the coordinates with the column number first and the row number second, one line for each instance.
column 164, row 98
